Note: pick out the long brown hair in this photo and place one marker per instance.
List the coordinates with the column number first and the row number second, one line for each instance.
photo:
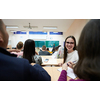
column 88, row 66
column 65, row 50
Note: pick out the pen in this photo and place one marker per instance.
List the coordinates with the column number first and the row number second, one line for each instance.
column 73, row 62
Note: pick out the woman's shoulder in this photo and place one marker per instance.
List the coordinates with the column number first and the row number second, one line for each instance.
column 76, row 51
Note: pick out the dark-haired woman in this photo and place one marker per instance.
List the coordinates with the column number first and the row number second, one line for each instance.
column 29, row 52
column 88, row 66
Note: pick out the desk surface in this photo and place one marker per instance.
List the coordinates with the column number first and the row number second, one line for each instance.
column 46, row 57
column 54, row 73
column 51, row 61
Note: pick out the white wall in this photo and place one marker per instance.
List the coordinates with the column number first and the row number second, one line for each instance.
column 15, row 38
column 76, row 28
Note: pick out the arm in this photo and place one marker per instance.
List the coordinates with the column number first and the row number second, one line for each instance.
column 36, row 53
column 13, row 50
column 63, row 75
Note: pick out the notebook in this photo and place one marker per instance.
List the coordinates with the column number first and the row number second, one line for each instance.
column 70, row 72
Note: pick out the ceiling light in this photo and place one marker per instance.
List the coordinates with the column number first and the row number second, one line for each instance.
column 12, row 31
column 11, row 26
column 49, row 27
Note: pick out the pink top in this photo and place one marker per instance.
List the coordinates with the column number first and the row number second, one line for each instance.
column 18, row 53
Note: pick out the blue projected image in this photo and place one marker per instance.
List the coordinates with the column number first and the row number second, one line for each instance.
column 38, row 33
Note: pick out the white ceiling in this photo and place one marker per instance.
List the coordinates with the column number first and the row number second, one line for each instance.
column 61, row 24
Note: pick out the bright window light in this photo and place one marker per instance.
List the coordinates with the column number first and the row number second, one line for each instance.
column 12, row 31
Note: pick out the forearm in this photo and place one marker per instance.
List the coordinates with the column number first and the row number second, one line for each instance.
column 13, row 50
column 63, row 76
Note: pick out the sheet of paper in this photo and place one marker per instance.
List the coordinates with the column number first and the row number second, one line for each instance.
column 70, row 72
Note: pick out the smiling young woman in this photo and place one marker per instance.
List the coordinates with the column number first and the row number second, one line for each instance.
column 70, row 52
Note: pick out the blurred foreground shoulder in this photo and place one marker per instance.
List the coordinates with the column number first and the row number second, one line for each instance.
column 40, row 73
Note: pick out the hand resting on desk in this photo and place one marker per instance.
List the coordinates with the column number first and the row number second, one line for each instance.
column 60, row 64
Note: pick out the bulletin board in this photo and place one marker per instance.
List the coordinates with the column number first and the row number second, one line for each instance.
column 39, row 43
column 50, row 43
column 46, row 43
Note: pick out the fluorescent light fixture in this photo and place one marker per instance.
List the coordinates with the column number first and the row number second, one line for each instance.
column 11, row 26
column 12, row 31
column 49, row 27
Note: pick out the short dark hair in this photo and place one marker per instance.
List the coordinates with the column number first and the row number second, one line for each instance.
column 56, row 48
column 47, row 48
column 88, row 66
column 29, row 49
column 65, row 50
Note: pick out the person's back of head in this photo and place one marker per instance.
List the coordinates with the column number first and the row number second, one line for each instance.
column 3, row 35
column 29, row 49
column 47, row 49
column 43, row 47
column 88, row 66
column 19, row 45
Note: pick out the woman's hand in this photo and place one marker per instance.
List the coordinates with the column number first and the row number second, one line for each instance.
column 70, row 64
column 33, row 64
column 65, row 66
column 60, row 64
column 13, row 50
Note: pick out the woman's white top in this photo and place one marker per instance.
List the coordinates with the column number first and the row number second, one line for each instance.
column 73, row 56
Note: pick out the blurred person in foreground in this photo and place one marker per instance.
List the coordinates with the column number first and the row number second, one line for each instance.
column 17, row 69
column 88, row 65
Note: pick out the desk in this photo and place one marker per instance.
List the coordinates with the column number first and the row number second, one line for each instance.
column 51, row 61
column 54, row 73
column 54, row 62
column 46, row 57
